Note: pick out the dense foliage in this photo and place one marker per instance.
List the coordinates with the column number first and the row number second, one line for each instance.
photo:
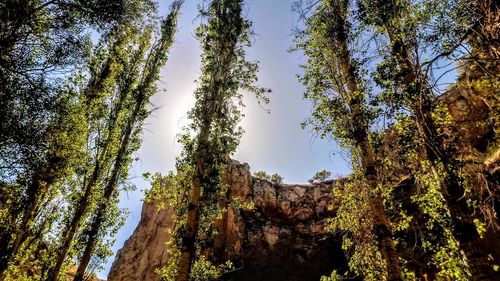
column 82, row 106
column 398, row 100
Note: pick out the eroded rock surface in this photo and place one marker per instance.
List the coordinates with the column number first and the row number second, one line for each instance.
column 281, row 238
column 145, row 250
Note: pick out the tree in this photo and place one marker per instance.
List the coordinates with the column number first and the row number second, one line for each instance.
column 40, row 43
column 274, row 178
column 225, row 71
column 140, row 95
column 412, row 91
column 321, row 176
column 114, row 82
column 334, row 82
column 30, row 219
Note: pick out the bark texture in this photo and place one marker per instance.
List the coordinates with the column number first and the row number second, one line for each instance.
column 355, row 103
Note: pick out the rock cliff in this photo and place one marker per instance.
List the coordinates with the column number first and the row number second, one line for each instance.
column 145, row 250
column 281, row 238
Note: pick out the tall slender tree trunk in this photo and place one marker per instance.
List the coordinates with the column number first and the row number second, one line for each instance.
column 462, row 215
column 191, row 227
column 225, row 25
column 156, row 59
column 109, row 189
column 39, row 186
column 192, row 220
column 21, row 232
column 91, row 243
column 101, row 212
column 381, row 225
column 188, row 247
column 72, row 228
column 82, row 206
column 355, row 100
column 95, row 86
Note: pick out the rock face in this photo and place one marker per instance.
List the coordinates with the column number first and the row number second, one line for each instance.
column 145, row 250
column 282, row 238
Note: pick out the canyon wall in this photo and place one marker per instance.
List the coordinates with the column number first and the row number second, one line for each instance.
column 145, row 250
column 281, row 238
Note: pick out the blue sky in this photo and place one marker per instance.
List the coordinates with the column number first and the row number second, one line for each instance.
column 273, row 142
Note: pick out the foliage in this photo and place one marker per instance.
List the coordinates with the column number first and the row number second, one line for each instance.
column 82, row 125
column 72, row 112
column 333, row 277
column 345, row 104
column 354, row 218
column 274, row 178
column 129, row 137
column 320, row 176
column 213, row 133
column 336, row 80
column 412, row 28
column 204, row 270
column 41, row 43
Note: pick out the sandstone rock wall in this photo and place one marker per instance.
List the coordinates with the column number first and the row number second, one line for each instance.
column 145, row 250
column 282, row 238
